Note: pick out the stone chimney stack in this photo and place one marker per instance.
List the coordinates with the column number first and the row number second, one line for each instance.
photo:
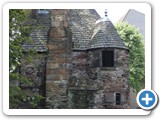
column 56, row 68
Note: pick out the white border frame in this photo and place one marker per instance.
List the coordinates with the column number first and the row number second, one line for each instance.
column 8, row 111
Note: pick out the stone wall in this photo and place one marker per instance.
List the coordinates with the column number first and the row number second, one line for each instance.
column 109, row 81
column 117, row 81
column 93, row 86
column 80, row 94
column 78, row 74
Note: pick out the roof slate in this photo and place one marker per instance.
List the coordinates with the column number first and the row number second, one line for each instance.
column 81, row 23
column 39, row 36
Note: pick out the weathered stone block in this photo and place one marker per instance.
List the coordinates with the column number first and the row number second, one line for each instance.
column 52, row 66
column 63, row 71
column 50, row 71
column 65, row 23
column 61, row 60
column 59, row 12
column 57, row 32
column 63, row 77
column 60, row 18
column 52, row 88
column 53, row 77
column 55, row 24
column 60, row 51
column 52, row 47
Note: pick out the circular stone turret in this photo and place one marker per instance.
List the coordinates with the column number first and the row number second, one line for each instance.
column 107, row 66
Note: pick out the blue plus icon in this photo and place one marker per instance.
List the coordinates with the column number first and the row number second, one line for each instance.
column 147, row 99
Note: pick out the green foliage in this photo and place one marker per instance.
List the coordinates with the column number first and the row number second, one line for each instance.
column 19, row 32
column 35, row 100
column 134, row 40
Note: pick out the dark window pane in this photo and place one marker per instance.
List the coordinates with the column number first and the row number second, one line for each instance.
column 108, row 58
column 118, row 98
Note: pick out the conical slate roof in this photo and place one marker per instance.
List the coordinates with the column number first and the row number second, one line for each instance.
column 105, row 36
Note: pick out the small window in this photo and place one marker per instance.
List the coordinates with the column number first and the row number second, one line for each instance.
column 118, row 98
column 108, row 58
column 72, row 45
column 43, row 11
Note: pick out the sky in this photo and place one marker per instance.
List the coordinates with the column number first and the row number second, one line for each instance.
column 115, row 12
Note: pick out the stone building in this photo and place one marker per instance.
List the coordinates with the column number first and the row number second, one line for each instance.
column 135, row 18
column 83, row 62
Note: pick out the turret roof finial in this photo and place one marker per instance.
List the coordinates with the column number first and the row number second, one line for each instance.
column 104, row 19
column 106, row 12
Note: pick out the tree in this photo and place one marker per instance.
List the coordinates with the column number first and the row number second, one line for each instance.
column 134, row 41
column 19, row 32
